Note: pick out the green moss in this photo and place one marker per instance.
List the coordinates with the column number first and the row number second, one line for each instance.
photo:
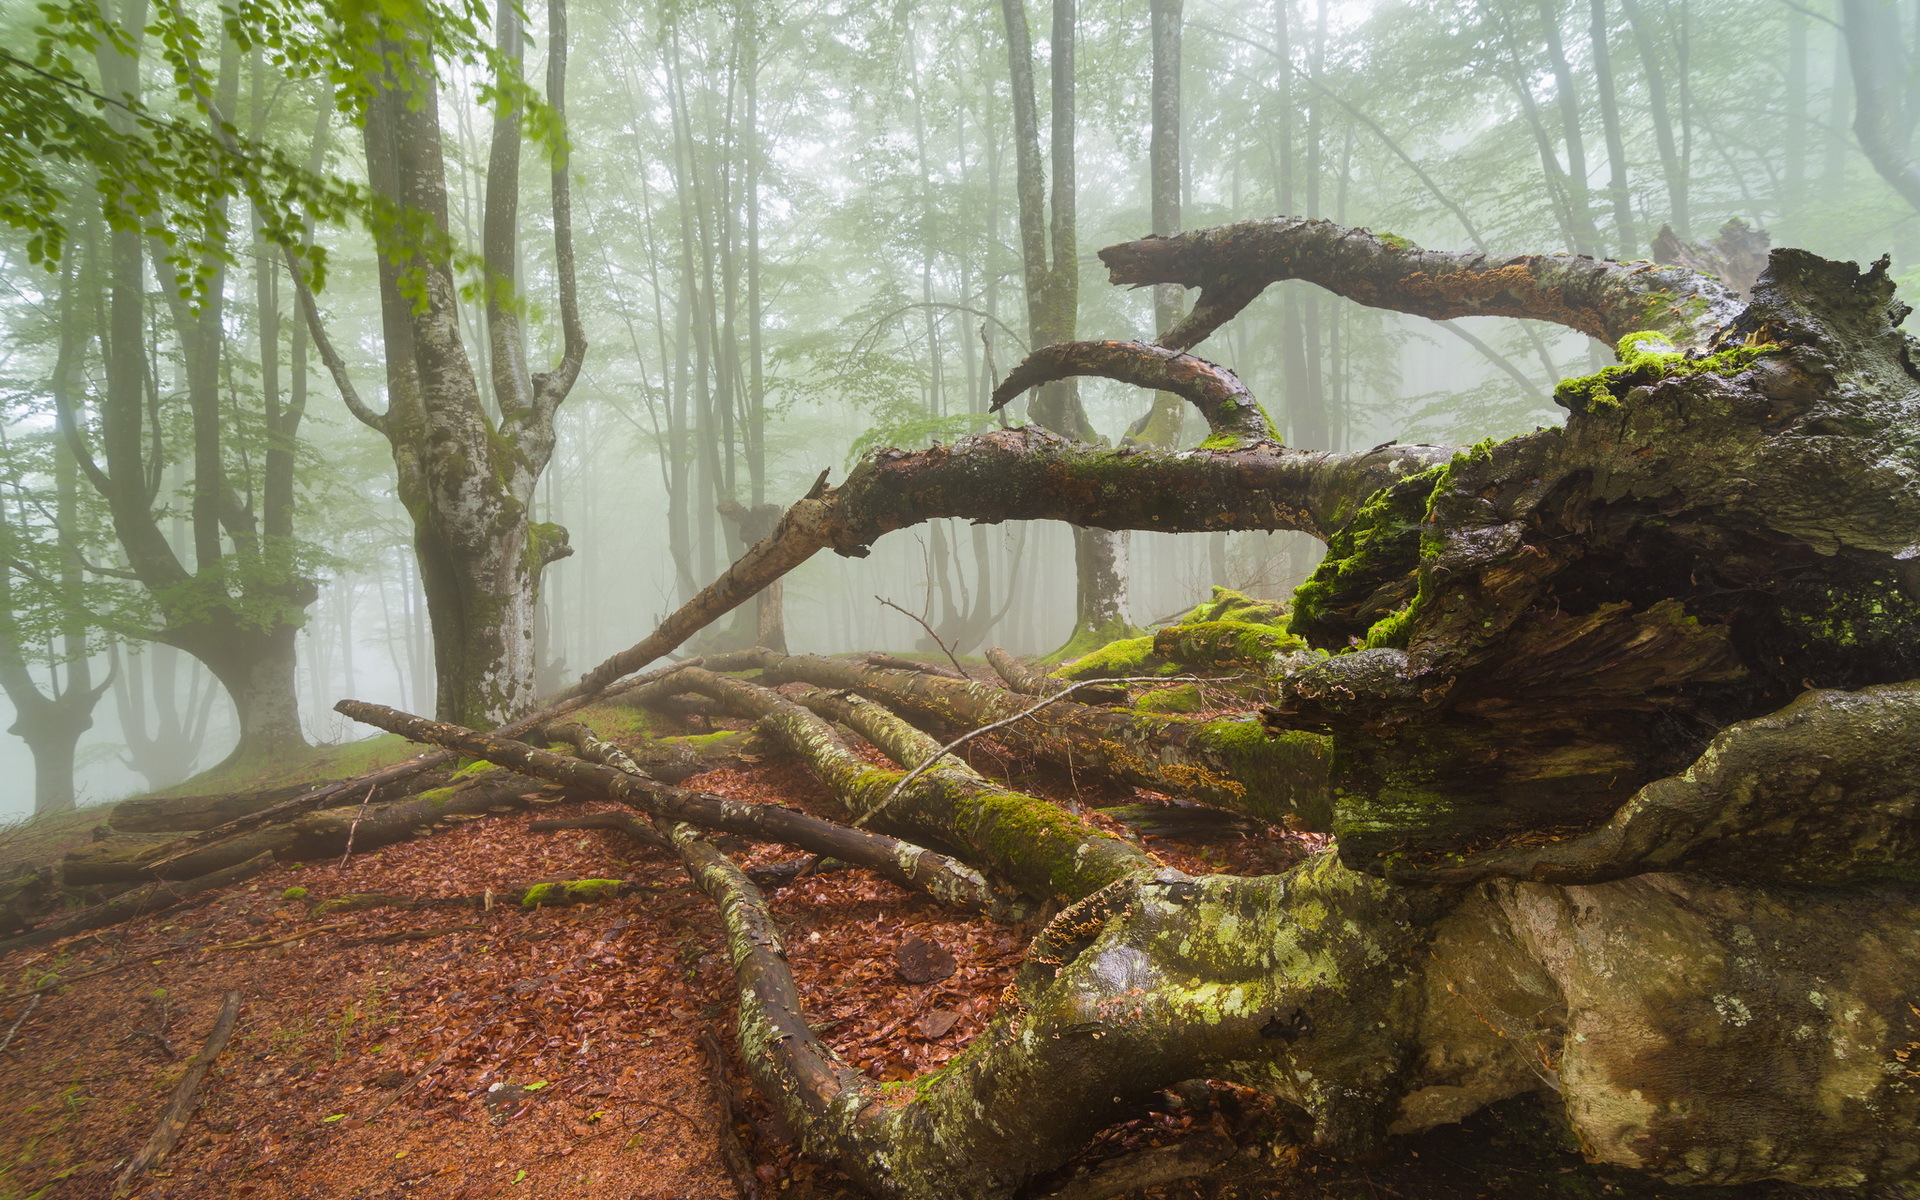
column 1284, row 773
column 1377, row 548
column 578, row 891
column 1647, row 357
column 1184, row 698
column 474, row 769
column 294, row 893
column 352, row 902
column 1395, row 241
column 1128, row 656
column 1221, row 441
column 437, row 797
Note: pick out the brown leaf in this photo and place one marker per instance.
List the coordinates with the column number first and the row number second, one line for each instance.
column 920, row 961
column 937, row 1023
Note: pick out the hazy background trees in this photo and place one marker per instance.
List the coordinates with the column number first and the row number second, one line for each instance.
column 798, row 234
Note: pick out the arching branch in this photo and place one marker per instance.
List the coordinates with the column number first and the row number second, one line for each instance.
column 1603, row 299
column 1230, row 409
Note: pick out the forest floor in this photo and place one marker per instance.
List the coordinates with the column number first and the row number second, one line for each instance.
column 477, row 1053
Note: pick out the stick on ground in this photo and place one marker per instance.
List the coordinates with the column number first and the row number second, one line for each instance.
column 186, row 1096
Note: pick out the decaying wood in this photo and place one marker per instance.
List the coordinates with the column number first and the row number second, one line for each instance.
column 1606, row 300
column 1216, row 762
column 1021, row 678
column 141, row 901
column 186, row 1097
column 1031, row 843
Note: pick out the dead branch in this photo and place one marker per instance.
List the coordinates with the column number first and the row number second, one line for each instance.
column 1607, row 300
column 141, row 901
column 1029, row 682
column 18, row 1021
column 1230, row 409
column 960, row 672
column 186, row 1097
column 1022, row 715
column 1053, row 851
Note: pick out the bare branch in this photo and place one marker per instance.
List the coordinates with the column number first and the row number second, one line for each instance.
column 1222, row 399
column 1603, row 299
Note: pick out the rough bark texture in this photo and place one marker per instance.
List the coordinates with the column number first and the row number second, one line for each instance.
column 1606, row 300
column 1045, row 852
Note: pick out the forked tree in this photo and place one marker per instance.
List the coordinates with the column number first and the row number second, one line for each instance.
column 1615, row 726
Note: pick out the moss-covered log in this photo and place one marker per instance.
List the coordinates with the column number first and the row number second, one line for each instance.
column 1229, row 763
column 1524, row 639
column 1046, row 852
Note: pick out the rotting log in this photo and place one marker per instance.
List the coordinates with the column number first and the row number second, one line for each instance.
column 1229, row 762
column 1046, row 852
column 138, row 902
column 908, row 865
column 1021, row 678
column 1233, row 264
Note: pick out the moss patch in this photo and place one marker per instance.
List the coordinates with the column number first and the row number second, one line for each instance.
column 1647, row 358
column 577, row 891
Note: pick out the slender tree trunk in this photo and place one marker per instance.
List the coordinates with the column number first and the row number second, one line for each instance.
column 1673, row 164
column 1627, row 239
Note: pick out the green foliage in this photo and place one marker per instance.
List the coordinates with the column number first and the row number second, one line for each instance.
column 168, row 167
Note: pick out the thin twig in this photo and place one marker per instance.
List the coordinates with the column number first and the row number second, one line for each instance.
column 18, row 1022
column 355, row 827
column 970, row 734
column 930, row 633
column 60, row 981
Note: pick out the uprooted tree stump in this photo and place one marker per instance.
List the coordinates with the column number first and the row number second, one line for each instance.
column 1615, row 727
column 1621, row 742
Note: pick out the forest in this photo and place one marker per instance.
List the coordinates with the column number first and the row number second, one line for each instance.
column 1202, row 598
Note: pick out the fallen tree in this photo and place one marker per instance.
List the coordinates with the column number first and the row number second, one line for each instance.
column 1613, row 725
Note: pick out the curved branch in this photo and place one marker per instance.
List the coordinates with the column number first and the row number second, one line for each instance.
column 336, row 366
column 1603, row 299
column 1230, row 409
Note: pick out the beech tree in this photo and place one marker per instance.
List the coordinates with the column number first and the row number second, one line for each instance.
column 466, row 473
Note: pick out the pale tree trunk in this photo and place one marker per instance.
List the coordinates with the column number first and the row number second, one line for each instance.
column 1162, row 424
column 468, row 481
column 1053, row 297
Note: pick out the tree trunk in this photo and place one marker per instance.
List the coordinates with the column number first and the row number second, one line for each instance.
column 467, row 481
